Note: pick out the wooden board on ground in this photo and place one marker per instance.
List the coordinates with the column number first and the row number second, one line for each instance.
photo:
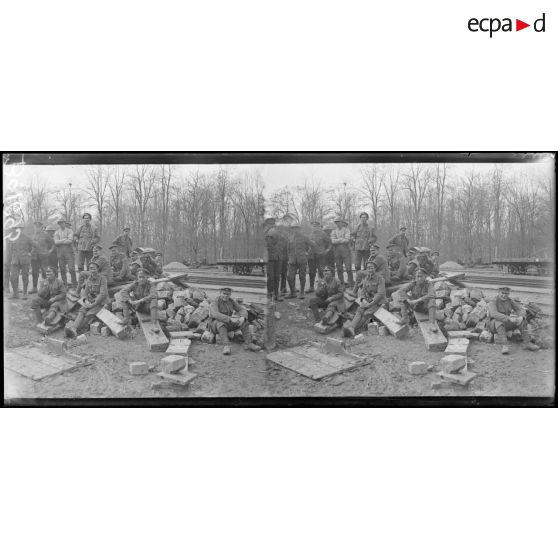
column 461, row 378
column 463, row 334
column 182, row 335
column 310, row 361
column 113, row 323
column 435, row 341
column 155, row 341
column 390, row 321
column 183, row 378
column 457, row 346
column 179, row 346
column 34, row 363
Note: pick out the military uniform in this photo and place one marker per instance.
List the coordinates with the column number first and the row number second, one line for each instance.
column 341, row 238
column 20, row 251
column 400, row 239
column 125, row 244
column 297, row 248
column 146, row 293
column 329, row 295
column 371, row 295
column 52, row 296
column 220, row 312
column 382, row 268
column 120, row 269
column 87, row 236
column 63, row 240
column 273, row 244
column 499, row 312
column 95, row 292
column 104, row 267
column 52, row 255
column 424, row 291
column 317, row 257
column 397, row 267
column 149, row 265
column 284, row 257
column 40, row 255
column 364, row 236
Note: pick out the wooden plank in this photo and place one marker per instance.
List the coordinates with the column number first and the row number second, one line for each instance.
column 457, row 346
column 462, row 334
column 330, row 360
column 54, row 360
column 36, row 364
column 182, row 378
column 301, row 364
column 155, row 341
column 179, row 346
column 183, row 335
column 390, row 321
column 461, row 378
column 434, row 341
column 113, row 323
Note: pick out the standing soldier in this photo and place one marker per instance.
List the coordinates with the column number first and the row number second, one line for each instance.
column 64, row 242
column 42, row 243
column 317, row 257
column 341, row 239
column 500, row 320
column 298, row 248
column 124, row 242
column 329, row 257
column 51, row 296
column 52, row 257
column 222, row 321
column 364, row 237
column 419, row 295
column 140, row 296
column 400, row 239
column 371, row 295
column 86, row 236
column 273, row 245
column 95, row 296
column 329, row 295
column 284, row 234
column 119, row 264
column 20, row 251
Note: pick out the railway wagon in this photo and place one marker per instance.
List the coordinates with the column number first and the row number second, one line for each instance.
column 522, row 266
column 243, row 266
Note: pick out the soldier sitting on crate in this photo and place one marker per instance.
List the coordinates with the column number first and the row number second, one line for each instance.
column 119, row 264
column 370, row 297
column 222, row 321
column 95, row 296
column 141, row 296
column 103, row 265
column 329, row 295
column 148, row 263
column 500, row 320
column 396, row 264
column 419, row 295
column 51, row 296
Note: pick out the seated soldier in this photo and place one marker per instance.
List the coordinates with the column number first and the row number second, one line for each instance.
column 396, row 264
column 371, row 295
column 133, row 268
column 140, row 296
column 148, row 264
column 419, row 295
column 104, row 269
column 382, row 267
column 435, row 259
column 329, row 295
column 222, row 321
column 159, row 264
column 95, row 296
column 119, row 264
column 500, row 320
column 424, row 262
column 51, row 296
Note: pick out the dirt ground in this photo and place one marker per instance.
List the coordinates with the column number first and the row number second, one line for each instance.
column 247, row 374
column 521, row 373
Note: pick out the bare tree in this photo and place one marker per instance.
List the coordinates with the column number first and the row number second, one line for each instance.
column 116, row 184
column 417, row 181
column 374, row 178
column 98, row 179
column 142, row 181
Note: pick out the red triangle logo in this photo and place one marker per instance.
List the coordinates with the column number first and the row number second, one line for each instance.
column 519, row 25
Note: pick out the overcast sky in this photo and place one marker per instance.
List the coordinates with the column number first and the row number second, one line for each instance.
column 275, row 176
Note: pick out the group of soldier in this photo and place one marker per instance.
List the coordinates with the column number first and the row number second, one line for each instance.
column 326, row 251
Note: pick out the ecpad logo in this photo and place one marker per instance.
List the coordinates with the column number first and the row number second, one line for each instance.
column 493, row 25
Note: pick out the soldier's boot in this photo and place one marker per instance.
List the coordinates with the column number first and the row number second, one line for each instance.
column 292, row 294
column 404, row 320
column 526, row 341
column 38, row 315
column 316, row 314
column 35, row 281
column 50, row 317
column 227, row 349
column 502, row 339
column 25, row 285
column 328, row 314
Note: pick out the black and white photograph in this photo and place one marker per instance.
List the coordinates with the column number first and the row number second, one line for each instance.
column 402, row 276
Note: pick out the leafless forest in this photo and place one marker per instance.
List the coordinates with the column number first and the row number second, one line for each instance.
column 473, row 216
